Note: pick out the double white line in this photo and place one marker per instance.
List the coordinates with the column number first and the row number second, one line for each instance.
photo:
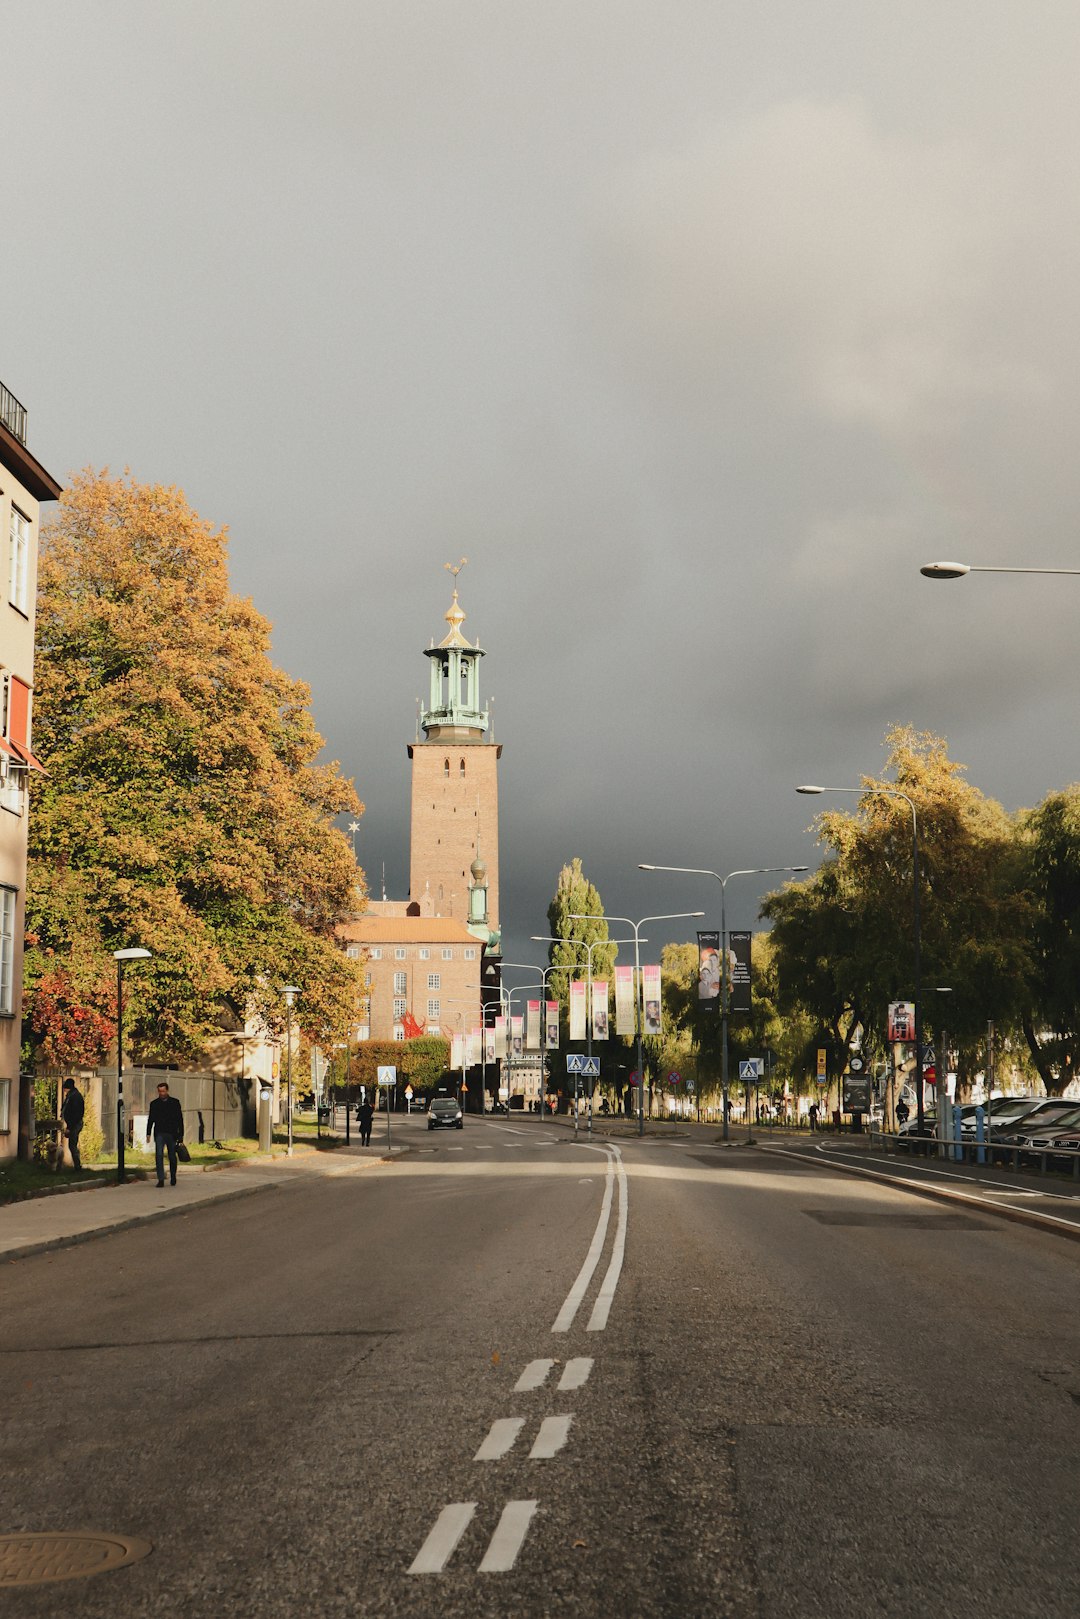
column 604, row 1299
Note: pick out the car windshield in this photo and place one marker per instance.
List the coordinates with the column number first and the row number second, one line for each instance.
column 1057, row 1121
column 442, row 1104
column 1047, row 1113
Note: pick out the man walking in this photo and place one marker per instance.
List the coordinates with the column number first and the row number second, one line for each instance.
column 72, row 1113
column 165, row 1122
column 364, row 1116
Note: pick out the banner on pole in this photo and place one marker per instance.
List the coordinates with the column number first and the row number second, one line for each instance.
column 624, row 1000
column 739, row 966
column 577, row 1008
column 457, row 1051
column 650, row 992
column 473, row 1048
column 600, row 1029
column 902, row 1021
column 551, row 1037
column 532, row 1027
column 708, row 983
column 500, row 1037
column 517, row 1037
column 489, row 1044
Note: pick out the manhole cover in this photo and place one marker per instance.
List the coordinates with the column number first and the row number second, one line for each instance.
column 40, row 1559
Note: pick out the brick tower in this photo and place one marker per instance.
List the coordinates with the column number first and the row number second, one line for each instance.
column 454, row 852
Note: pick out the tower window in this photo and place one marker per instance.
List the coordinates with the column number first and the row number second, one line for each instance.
column 461, row 768
column 446, row 767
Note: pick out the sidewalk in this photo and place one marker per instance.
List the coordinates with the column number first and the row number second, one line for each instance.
column 37, row 1224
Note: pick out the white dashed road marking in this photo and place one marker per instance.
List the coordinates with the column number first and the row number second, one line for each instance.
column 508, row 1538
column 534, row 1375
column 439, row 1546
column 554, row 1432
column 575, row 1373
column 500, row 1439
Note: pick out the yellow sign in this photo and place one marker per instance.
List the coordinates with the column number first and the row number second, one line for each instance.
column 821, row 1062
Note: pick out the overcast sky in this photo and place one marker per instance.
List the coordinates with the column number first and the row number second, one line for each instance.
column 695, row 325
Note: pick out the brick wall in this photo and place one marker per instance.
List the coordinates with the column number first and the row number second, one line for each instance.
column 447, row 808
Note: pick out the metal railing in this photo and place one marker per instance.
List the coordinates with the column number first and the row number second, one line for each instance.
column 966, row 1149
column 12, row 414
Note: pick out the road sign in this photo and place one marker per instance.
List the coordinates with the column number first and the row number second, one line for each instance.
column 408, row 1093
column 673, row 1079
column 387, row 1076
column 821, row 1060
column 751, row 1068
column 690, row 1086
column 575, row 1062
column 591, row 1068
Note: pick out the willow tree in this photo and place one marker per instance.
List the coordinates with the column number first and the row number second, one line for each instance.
column 183, row 809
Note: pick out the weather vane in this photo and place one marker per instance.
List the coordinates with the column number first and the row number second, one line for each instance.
column 449, row 566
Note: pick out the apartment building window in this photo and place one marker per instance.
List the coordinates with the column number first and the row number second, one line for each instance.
column 434, row 980
column 364, row 1031
column 424, row 954
column 401, row 983
column 376, row 955
column 448, row 955
column 470, row 955
column 400, row 954
column 353, row 952
column 19, row 560
column 399, row 1031
column 399, row 1007
column 7, row 950
column 433, row 1009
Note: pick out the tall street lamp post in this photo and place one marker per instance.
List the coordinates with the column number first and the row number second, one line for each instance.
column 894, row 792
column 120, row 957
column 290, row 992
column 628, row 921
column 698, row 871
column 959, row 570
column 568, row 967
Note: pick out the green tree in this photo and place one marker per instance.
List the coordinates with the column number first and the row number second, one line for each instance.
column 183, row 809
column 1052, row 1019
column 575, row 896
column 844, row 937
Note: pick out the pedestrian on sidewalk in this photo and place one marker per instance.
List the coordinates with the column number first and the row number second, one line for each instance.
column 72, row 1113
column 903, row 1112
column 165, row 1122
column 812, row 1113
column 364, row 1117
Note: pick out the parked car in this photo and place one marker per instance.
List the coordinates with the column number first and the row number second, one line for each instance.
column 445, row 1114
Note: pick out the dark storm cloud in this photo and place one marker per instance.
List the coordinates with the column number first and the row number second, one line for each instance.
column 696, row 339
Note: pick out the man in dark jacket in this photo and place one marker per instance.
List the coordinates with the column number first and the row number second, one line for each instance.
column 363, row 1118
column 165, row 1122
column 72, row 1114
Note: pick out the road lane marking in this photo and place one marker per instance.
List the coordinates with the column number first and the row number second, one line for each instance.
column 575, row 1373
column 503, row 1433
column 554, row 1432
column 508, row 1538
column 565, row 1318
column 534, row 1376
column 606, row 1296
column 439, row 1546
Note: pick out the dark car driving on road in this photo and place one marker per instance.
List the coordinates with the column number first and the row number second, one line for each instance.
column 444, row 1113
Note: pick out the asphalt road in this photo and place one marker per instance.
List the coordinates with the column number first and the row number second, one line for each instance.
column 511, row 1375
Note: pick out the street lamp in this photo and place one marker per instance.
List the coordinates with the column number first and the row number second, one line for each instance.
column 957, row 570
column 568, row 967
column 136, row 953
column 669, row 916
column 753, row 871
column 894, row 792
column 290, row 992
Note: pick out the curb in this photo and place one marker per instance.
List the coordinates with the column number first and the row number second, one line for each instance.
column 947, row 1194
column 50, row 1244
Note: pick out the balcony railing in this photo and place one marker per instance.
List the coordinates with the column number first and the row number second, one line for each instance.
column 12, row 414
